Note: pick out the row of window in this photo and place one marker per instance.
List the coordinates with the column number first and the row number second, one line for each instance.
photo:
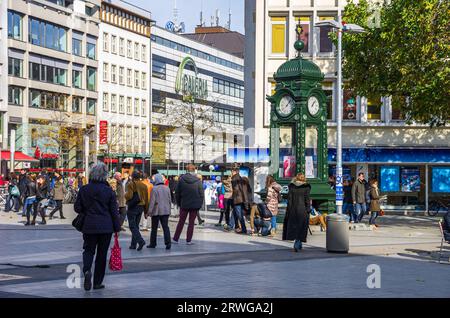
column 140, row 106
column 280, row 34
column 228, row 88
column 50, row 100
column 123, row 138
column 140, row 51
column 226, row 116
column 49, row 35
column 196, row 53
column 125, row 20
column 140, row 79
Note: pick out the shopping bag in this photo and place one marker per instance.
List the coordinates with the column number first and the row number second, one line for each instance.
column 115, row 260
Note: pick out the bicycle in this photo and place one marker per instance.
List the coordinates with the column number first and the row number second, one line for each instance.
column 437, row 207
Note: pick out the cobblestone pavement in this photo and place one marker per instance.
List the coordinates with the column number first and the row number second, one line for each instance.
column 33, row 263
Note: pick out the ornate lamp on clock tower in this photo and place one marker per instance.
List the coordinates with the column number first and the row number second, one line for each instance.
column 298, row 127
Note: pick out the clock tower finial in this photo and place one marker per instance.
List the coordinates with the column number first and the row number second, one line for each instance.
column 299, row 44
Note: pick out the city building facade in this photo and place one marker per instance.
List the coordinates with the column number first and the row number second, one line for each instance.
column 3, row 72
column 52, row 79
column 409, row 161
column 123, row 115
column 193, row 80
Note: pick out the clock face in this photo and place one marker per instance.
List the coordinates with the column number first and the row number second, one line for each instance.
column 286, row 105
column 313, row 105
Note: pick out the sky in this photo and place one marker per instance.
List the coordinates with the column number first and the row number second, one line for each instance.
column 189, row 12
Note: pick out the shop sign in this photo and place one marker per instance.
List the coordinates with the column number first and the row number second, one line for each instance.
column 103, row 133
column 190, row 86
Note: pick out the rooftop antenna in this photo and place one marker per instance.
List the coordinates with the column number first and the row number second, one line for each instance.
column 217, row 17
column 175, row 12
column 229, row 19
column 212, row 20
column 201, row 15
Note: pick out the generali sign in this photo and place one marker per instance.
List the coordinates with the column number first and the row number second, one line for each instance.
column 190, row 86
column 103, row 132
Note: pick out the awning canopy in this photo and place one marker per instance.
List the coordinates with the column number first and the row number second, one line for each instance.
column 18, row 156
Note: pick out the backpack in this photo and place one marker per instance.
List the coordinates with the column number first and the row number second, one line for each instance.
column 264, row 211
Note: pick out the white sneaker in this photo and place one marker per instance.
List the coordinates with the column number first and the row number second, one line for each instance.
column 189, row 243
column 174, row 242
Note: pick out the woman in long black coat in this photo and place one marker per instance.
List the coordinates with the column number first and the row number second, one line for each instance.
column 295, row 227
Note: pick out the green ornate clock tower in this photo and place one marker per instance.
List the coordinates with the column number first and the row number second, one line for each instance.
column 298, row 127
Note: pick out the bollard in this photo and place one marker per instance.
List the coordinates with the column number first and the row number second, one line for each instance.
column 337, row 233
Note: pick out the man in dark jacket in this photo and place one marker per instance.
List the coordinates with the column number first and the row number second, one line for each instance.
column 359, row 196
column 22, row 186
column 137, row 202
column 189, row 196
column 98, row 203
column 240, row 198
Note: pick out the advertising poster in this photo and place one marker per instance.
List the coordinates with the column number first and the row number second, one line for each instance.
column 309, row 167
column 411, row 180
column 440, row 182
column 390, row 178
column 288, row 166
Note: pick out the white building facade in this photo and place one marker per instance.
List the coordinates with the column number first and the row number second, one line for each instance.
column 217, row 77
column 124, row 92
column 376, row 139
column 3, row 71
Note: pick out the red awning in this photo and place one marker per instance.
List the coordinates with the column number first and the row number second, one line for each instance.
column 18, row 156
column 108, row 160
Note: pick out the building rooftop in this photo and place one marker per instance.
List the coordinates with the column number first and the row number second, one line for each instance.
column 225, row 40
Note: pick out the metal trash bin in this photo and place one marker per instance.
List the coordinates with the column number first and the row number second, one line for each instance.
column 337, row 233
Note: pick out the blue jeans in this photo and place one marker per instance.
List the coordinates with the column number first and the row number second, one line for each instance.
column 264, row 225
column 360, row 210
column 348, row 208
column 238, row 209
column 373, row 217
column 274, row 222
column 28, row 201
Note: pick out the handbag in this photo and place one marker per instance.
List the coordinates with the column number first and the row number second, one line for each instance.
column 15, row 191
column 78, row 222
column 115, row 260
column 381, row 213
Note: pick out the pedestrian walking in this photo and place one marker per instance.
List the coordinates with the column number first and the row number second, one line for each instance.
column 58, row 193
column 98, row 203
column 80, row 181
column 137, row 204
column 190, row 197
column 22, row 187
column 159, row 211
column 359, row 197
column 145, row 223
column 228, row 201
column 348, row 207
column 41, row 194
column 199, row 217
column 12, row 200
column 120, row 195
column 374, row 202
column 273, row 199
column 295, row 226
column 240, row 199
column 30, row 197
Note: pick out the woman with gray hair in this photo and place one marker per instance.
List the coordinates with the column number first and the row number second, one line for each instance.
column 159, row 209
column 97, row 202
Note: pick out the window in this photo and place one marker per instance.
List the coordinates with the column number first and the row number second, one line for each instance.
column 159, row 102
column 114, row 103
column 129, row 53
column 399, row 103
column 76, row 79
column 47, row 35
column 129, row 106
column 325, row 44
column 305, row 22
column 48, row 100
column 113, row 73
column 136, row 107
column 328, row 90
column 121, row 104
column 159, row 69
column 144, row 53
column 278, row 35
column 113, row 44
column 136, row 51
column 77, row 103
column 121, row 76
column 77, row 44
column 144, row 81
column 91, row 51
column 129, row 77
column 136, row 139
column 15, row 95
column 105, row 102
column 90, row 105
column 105, row 42
column 91, row 79
column 14, row 25
column 374, row 108
column 121, row 46
column 15, row 67
column 144, row 107
column 228, row 88
column 105, row 72
column 48, row 74
column 136, row 79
